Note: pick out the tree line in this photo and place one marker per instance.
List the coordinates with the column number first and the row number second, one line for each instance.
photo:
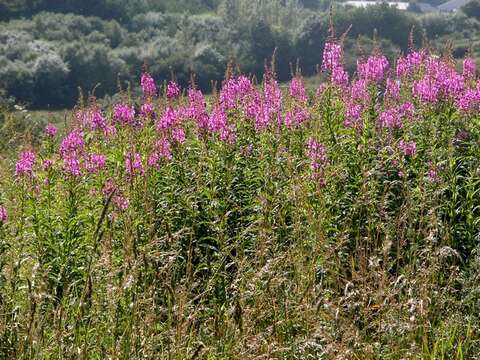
column 48, row 50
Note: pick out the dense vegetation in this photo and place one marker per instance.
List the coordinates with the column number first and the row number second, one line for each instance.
column 48, row 49
column 262, row 223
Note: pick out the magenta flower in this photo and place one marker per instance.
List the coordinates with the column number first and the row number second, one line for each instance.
column 153, row 159
column 373, row 69
column 51, row 130
column 332, row 56
column 413, row 61
column 167, row 120
column 25, row 164
column 353, row 116
column 406, row 109
column 426, row 90
column 339, row 76
column 198, row 108
column 146, row 109
column 408, row 148
column 164, row 148
column 148, row 84
column 317, row 153
column 178, row 135
column 295, row 117
column 297, row 89
column 71, row 164
column 121, row 202
column 228, row 134
column 73, row 143
column 124, row 113
column 359, row 91
column 133, row 164
column 390, row 118
column 321, row 89
column 96, row 163
column 469, row 101
column 3, row 214
column 109, row 187
column 173, row 90
column 91, row 118
column 469, row 68
column 47, row 164
column 392, row 90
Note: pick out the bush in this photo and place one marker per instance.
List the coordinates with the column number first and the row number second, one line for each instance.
column 260, row 221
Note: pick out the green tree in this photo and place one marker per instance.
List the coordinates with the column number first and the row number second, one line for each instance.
column 472, row 9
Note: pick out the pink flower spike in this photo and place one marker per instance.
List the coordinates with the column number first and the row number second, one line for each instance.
column 148, row 84
column 173, row 90
column 409, row 148
column 3, row 214
column 133, row 164
column 51, row 130
column 25, row 164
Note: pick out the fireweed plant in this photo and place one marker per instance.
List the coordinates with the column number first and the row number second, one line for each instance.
column 262, row 223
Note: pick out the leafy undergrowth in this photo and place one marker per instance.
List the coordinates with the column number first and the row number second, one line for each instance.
column 266, row 223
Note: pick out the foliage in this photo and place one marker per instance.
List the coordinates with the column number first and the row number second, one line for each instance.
column 263, row 222
column 98, row 43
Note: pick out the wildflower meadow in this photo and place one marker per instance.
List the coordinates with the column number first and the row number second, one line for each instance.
column 264, row 220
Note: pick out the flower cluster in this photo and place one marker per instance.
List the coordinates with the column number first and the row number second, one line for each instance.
column 173, row 90
column 124, row 114
column 148, row 84
column 25, row 164
column 373, row 69
column 3, row 214
column 408, row 148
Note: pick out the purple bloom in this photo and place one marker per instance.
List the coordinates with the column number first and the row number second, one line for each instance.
column 339, row 76
column 73, row 143
column 47, row 164
column 168, row 119
column 25, row 164
column 469, row 68
column 178, row 135
column 148, row 85
column 121, row 202
column 198, row 108
column 295, row 117
column 317, row 153
column 373, row 69
column 51, row 130
column 71, row 164
column 353, row 116
column 469, row 101
column 413, row 61
column 234, row 90
column 109, row 187
column 390, row 118
column 96, row 163
column 164, row 148
column 153, row 159
column 332, row 56
column 173, row 90
column 91, row 118
column 426, row 90
column 409, row 148
column 320, row 90
column 146, row 109
column 133, row 164
column 124, row 113
column 228, row 134
column 297, row 89
column 392, row 90
column 359, row 91
column 3, row 214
